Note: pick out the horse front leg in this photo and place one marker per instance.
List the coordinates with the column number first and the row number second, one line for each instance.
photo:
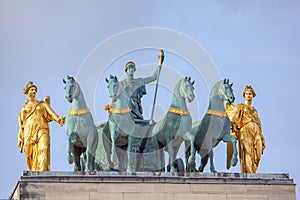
column 76, row 152
column 131, row 159
column 113, row 156
column 70, row 156
column 160, row 155
column 106, row 141
column 203, row 163
column 211, row 161
column 187, row 155
column 172, row 157
column 191, row 166
column 92, row 142
column 229, row 138
column 161, row 160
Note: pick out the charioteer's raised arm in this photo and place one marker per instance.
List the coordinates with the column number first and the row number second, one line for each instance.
column 156, row 73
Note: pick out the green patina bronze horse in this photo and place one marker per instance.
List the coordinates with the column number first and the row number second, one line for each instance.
column 81, row 130
column 176, row 125
column 120, row 128
column 214, row 127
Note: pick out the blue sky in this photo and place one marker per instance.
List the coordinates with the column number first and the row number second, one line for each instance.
column 250, row 42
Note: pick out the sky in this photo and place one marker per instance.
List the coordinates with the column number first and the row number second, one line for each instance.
column 250, row 42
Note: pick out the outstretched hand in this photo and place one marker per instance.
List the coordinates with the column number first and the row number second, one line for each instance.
column 61, row 120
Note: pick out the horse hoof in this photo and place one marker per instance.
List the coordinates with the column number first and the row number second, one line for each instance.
column 233, row 161
column 191, row 169
column 173, row 169
column 114, row 159
column 76, row 169
column 70, row 159
column 191, row 160
column 213, row 170
column 91, row 172
column 201, row 168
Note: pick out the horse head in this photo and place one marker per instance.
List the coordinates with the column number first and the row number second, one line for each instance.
column 71, row 87
column 187, row 89
column 113, row 87
column 225, row 91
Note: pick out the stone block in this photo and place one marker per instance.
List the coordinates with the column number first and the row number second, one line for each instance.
column 106, row 196
column 218, row 189
column 148, row 196
column 191, row 196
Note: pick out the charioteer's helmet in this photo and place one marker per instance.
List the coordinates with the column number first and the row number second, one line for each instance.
column 130, row 64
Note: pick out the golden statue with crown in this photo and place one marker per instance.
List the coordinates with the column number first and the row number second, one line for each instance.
column 34, row 135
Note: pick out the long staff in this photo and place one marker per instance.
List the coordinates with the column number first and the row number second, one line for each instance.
column 145, row 139
column 160, row 62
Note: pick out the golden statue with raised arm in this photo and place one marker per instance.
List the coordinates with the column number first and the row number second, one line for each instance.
column 34, row 136
column 246, row 127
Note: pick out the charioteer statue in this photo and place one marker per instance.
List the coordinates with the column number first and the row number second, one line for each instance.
column 126, row 128
column 135, row 87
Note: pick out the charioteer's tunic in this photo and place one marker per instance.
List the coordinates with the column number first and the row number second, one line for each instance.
column 135, row 89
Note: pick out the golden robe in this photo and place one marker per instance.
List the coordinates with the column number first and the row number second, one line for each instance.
column 246, row 127
column 34, row 135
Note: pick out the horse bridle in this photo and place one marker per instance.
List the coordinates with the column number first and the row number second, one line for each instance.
column 215, row 112
column 118, row 92
column 119, row 111
column 76, row 91
column 222, row 92
column 182, row 89
column 81, row 111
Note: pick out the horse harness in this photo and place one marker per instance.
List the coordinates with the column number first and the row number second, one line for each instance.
column 120, row 111
column 217, row 113
column 109, row 108
column 179, row 111
column 80, row 111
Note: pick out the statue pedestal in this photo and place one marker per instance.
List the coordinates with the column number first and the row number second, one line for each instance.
column 144, row 185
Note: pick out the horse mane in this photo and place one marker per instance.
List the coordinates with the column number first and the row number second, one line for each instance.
column 176, row 91
column 177, row 86
column 184, row 79
column 214, row 91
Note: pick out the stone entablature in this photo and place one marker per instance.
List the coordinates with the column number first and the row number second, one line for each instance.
column 146, row 185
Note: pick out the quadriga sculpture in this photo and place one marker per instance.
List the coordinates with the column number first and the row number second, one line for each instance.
column 169, row 132
column 214, row 127
column 81, row 130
